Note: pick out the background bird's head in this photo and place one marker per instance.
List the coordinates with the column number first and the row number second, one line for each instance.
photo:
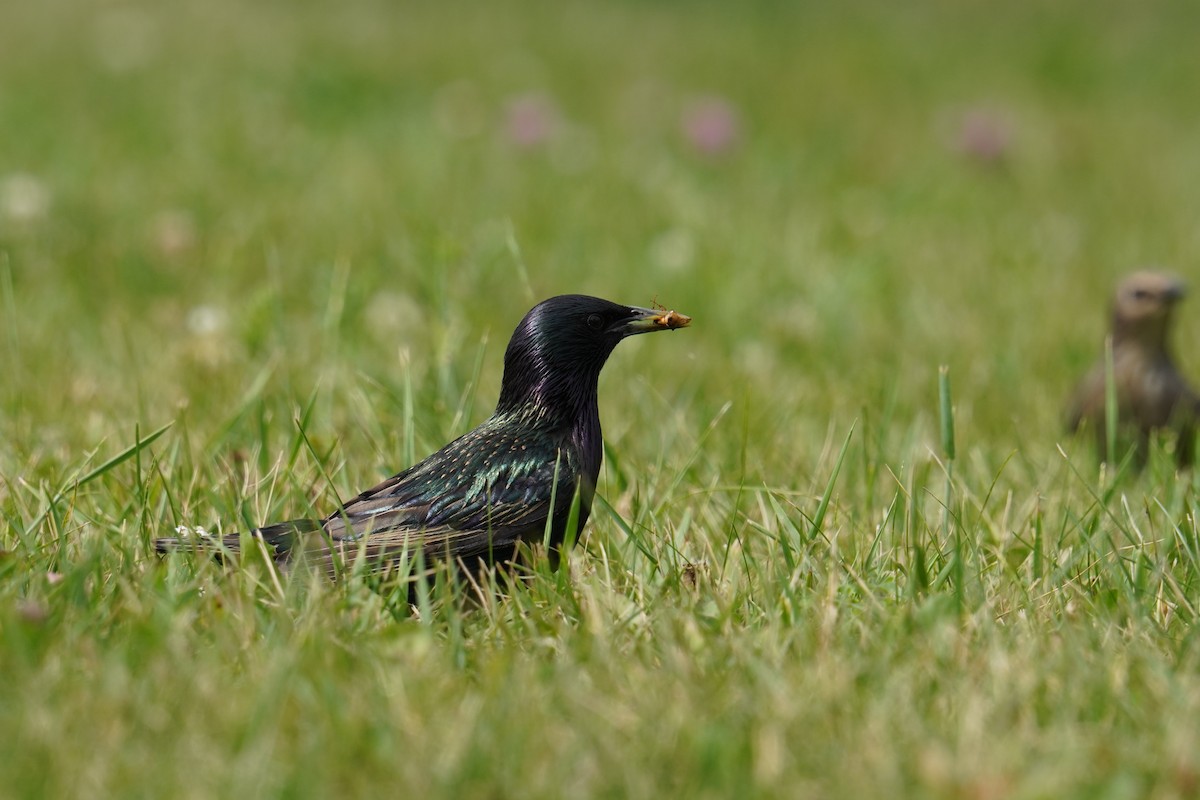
column 556, row 352
column 1143, row 305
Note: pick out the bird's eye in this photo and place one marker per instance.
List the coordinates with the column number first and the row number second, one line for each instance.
column 594, row 322
column 1141, row 294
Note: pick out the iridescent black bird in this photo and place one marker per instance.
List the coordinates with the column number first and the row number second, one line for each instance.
column 1151, row 395
column 504, row 482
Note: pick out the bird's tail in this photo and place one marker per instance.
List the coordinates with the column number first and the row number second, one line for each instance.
column 281, row 540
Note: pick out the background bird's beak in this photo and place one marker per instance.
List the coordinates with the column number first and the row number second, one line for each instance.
column 646, row 320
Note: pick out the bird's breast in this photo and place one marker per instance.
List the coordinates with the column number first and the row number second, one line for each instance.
column 588, row 442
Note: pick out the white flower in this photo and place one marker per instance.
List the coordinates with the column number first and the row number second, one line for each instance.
column 23, row 197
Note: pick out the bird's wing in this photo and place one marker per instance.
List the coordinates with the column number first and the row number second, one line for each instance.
column 448, row 506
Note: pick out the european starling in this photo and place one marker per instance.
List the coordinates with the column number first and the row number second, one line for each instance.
column 474, row 500
column 1151, row 394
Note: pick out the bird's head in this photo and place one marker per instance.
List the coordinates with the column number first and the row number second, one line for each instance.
column 555, row 355
column 1142, row 307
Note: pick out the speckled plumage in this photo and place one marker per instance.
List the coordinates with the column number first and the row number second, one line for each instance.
column 488, row 490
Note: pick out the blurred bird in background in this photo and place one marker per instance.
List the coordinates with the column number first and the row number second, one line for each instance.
column 1150, row 393
column 514, row 478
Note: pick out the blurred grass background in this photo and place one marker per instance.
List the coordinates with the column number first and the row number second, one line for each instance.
column 228, row 216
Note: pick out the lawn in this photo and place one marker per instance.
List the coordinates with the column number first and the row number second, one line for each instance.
column 255, row 257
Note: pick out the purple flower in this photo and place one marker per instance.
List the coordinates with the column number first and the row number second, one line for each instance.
column 984, row 136
column 532, row 120
column 711, row 126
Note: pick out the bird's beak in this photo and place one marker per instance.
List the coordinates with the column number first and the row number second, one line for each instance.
column 647, row 320
column 1175, row 291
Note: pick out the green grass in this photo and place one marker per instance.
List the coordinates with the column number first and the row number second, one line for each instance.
column 296, row 236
